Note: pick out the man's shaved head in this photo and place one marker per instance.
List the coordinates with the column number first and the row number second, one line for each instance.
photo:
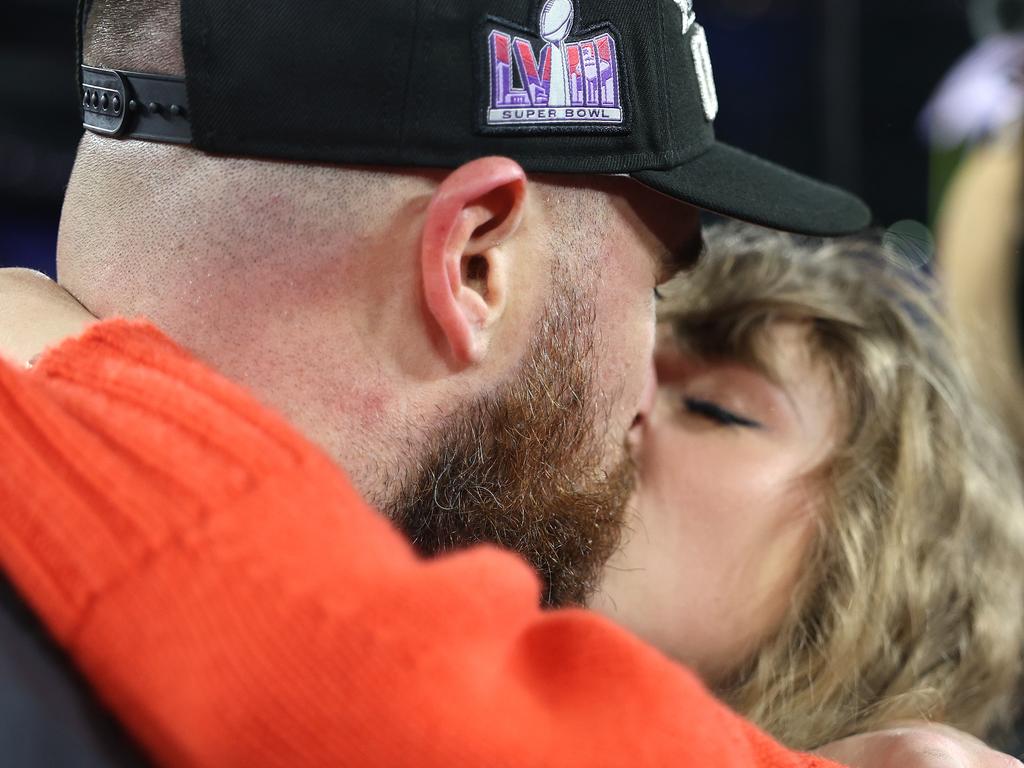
column 316, row 286
column 135, row 35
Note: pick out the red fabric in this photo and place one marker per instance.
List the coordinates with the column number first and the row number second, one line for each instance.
column 229, row 596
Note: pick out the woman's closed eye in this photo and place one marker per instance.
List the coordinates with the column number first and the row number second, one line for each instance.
column 713, row 412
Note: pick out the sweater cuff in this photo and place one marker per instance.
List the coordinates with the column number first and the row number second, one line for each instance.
column 114, row 446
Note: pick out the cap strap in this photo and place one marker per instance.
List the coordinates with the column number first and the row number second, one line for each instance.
column 135, row 105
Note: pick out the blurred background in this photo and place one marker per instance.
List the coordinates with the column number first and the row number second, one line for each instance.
column 39, row 126
column 833, row 88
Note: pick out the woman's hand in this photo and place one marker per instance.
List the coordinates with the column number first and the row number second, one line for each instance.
column 36, row 313
column 916, row 745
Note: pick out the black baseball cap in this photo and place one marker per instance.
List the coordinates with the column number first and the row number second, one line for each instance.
column 623, row 87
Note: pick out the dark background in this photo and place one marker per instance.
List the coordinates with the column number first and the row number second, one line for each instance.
column 832, row 88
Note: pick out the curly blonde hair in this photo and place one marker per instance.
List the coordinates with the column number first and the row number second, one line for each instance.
column 911, row 604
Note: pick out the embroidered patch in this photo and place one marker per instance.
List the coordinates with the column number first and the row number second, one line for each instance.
column 546, row 79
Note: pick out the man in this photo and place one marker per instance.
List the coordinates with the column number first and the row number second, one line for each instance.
column 272, row 271
column 401, row 317
column 472, row 345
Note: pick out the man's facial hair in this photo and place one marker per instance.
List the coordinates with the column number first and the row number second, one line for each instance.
column 522, row 467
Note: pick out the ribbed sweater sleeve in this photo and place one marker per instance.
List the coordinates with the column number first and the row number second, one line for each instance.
column 229, row 596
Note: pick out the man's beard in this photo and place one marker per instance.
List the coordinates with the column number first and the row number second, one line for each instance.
column 522, row 467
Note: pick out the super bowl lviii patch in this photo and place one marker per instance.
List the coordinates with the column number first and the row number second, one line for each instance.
column 550, row 77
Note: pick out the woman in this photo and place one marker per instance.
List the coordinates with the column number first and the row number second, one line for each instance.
column 822, row 489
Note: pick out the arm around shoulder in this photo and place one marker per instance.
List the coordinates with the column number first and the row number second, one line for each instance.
column 35, row 313
column 230, row 597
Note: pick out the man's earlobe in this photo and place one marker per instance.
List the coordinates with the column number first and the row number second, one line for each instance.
column 476, row 210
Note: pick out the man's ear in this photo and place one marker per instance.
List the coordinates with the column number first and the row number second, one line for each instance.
column 473, row 213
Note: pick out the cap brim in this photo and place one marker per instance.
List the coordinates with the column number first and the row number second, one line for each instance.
column 730, row 182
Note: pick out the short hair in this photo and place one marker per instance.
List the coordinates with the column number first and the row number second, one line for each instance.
column 134, row 35
column 911, row 602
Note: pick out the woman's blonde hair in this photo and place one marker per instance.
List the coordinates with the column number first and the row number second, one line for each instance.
column 911, row 604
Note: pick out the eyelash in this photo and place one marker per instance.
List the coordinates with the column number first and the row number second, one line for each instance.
column 717, row 414
column 658, row 295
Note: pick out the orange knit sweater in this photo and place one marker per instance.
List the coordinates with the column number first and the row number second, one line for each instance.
column 229, row 596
